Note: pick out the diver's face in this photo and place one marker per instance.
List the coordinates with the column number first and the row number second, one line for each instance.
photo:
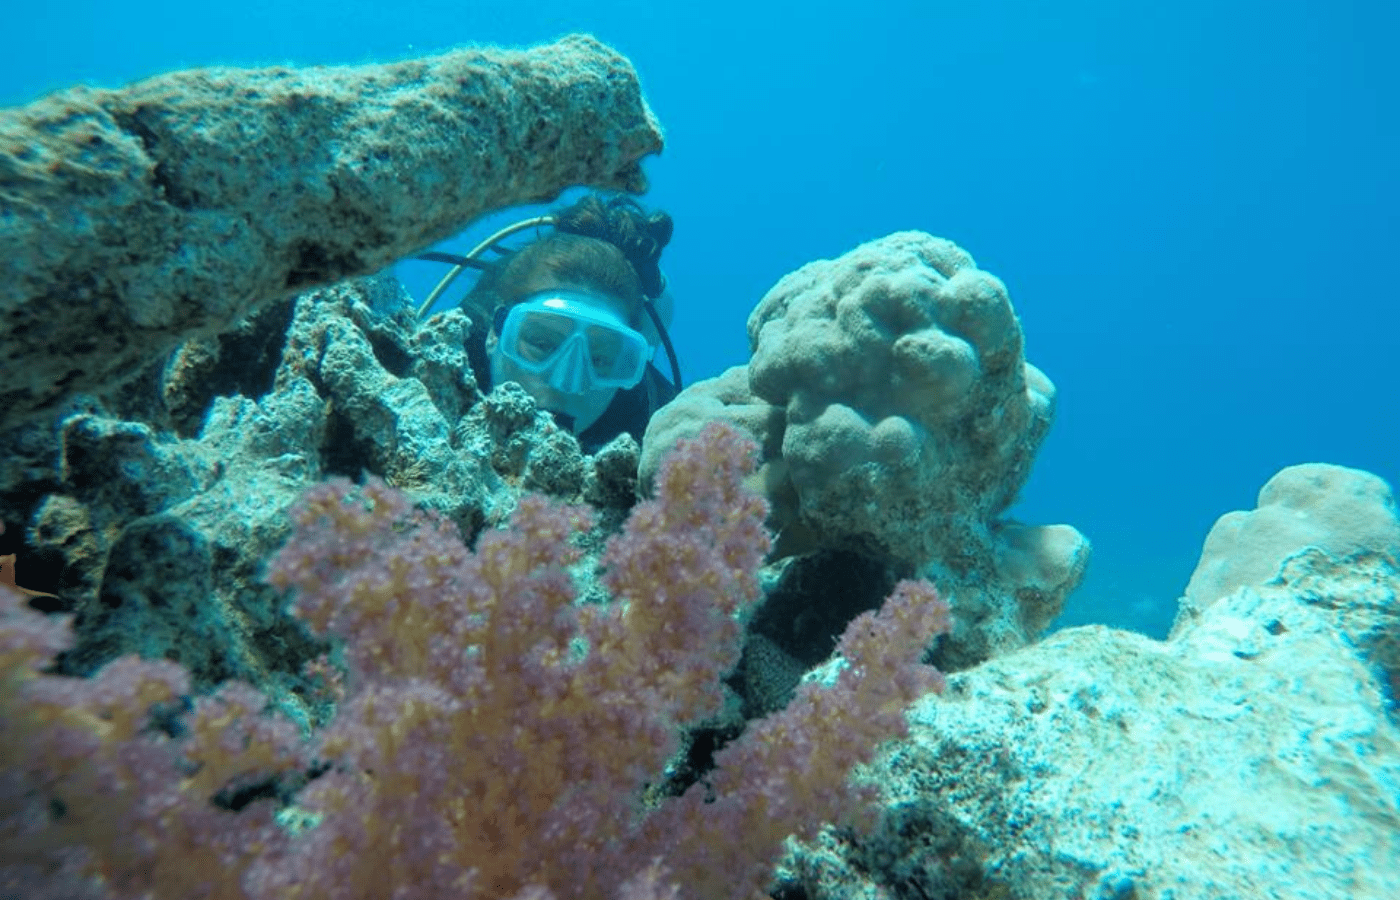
column 582, row 408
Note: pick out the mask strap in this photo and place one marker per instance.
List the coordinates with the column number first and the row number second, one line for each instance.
column 665, row 342
column 472, row 259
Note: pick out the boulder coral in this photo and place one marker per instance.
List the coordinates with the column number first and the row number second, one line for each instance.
column 898, row 417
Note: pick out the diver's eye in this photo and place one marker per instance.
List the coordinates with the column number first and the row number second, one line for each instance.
column 538, row 347
column 604, row 346
column 542, row 334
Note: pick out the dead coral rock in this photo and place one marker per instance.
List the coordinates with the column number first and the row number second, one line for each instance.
column 241, row 360
column 170, row 209
column 1334, row 508
column 1255, row 755
column 164, row 536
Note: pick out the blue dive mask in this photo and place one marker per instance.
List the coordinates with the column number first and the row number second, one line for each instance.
column 570, row 342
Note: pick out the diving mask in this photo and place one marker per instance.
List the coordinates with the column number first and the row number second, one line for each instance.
column 571, row 341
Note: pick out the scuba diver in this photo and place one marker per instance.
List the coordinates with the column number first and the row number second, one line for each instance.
column 575, row 316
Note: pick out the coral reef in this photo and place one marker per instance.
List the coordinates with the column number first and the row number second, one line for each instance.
column 173, row 208
column 161, row 502
column 163, row 532
column 482, row 689
column 492, row 736
column 165, row 499
column 1333, row 508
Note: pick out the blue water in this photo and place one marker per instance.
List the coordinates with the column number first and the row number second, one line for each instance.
column 1193, row 204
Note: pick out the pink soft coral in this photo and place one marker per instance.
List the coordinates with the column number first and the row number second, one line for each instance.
column 495, row 735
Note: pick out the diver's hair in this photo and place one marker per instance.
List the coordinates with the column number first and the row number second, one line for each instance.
column 552, row 261
column 622, row 222
column 609, row 246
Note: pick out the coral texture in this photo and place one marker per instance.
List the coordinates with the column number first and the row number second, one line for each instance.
column 173, row 208
column 166, row 503
column 493, row 736
column 909, row 415
column 1334, row 508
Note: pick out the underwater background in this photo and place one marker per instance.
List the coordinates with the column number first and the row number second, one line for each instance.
column 1195, row 205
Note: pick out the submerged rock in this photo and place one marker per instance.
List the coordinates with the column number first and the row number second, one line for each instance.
column 1256, row 753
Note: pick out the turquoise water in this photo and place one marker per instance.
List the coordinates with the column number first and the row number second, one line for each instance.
column 1193, row 204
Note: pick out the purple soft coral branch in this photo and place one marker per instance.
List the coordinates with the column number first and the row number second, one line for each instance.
column 494, row 736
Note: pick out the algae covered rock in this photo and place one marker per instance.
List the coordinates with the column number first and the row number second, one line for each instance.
column 1255, row 753
column 173, row 208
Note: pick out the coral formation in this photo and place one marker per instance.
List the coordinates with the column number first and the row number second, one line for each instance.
column 1333, row 508
column 492, row 735
column 173, row 208
column 898, row 417
column 164, row 530
column 479, row 680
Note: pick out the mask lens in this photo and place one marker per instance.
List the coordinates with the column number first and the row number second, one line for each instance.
column 604, row 349
column 615, row 355
column 542, row 334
